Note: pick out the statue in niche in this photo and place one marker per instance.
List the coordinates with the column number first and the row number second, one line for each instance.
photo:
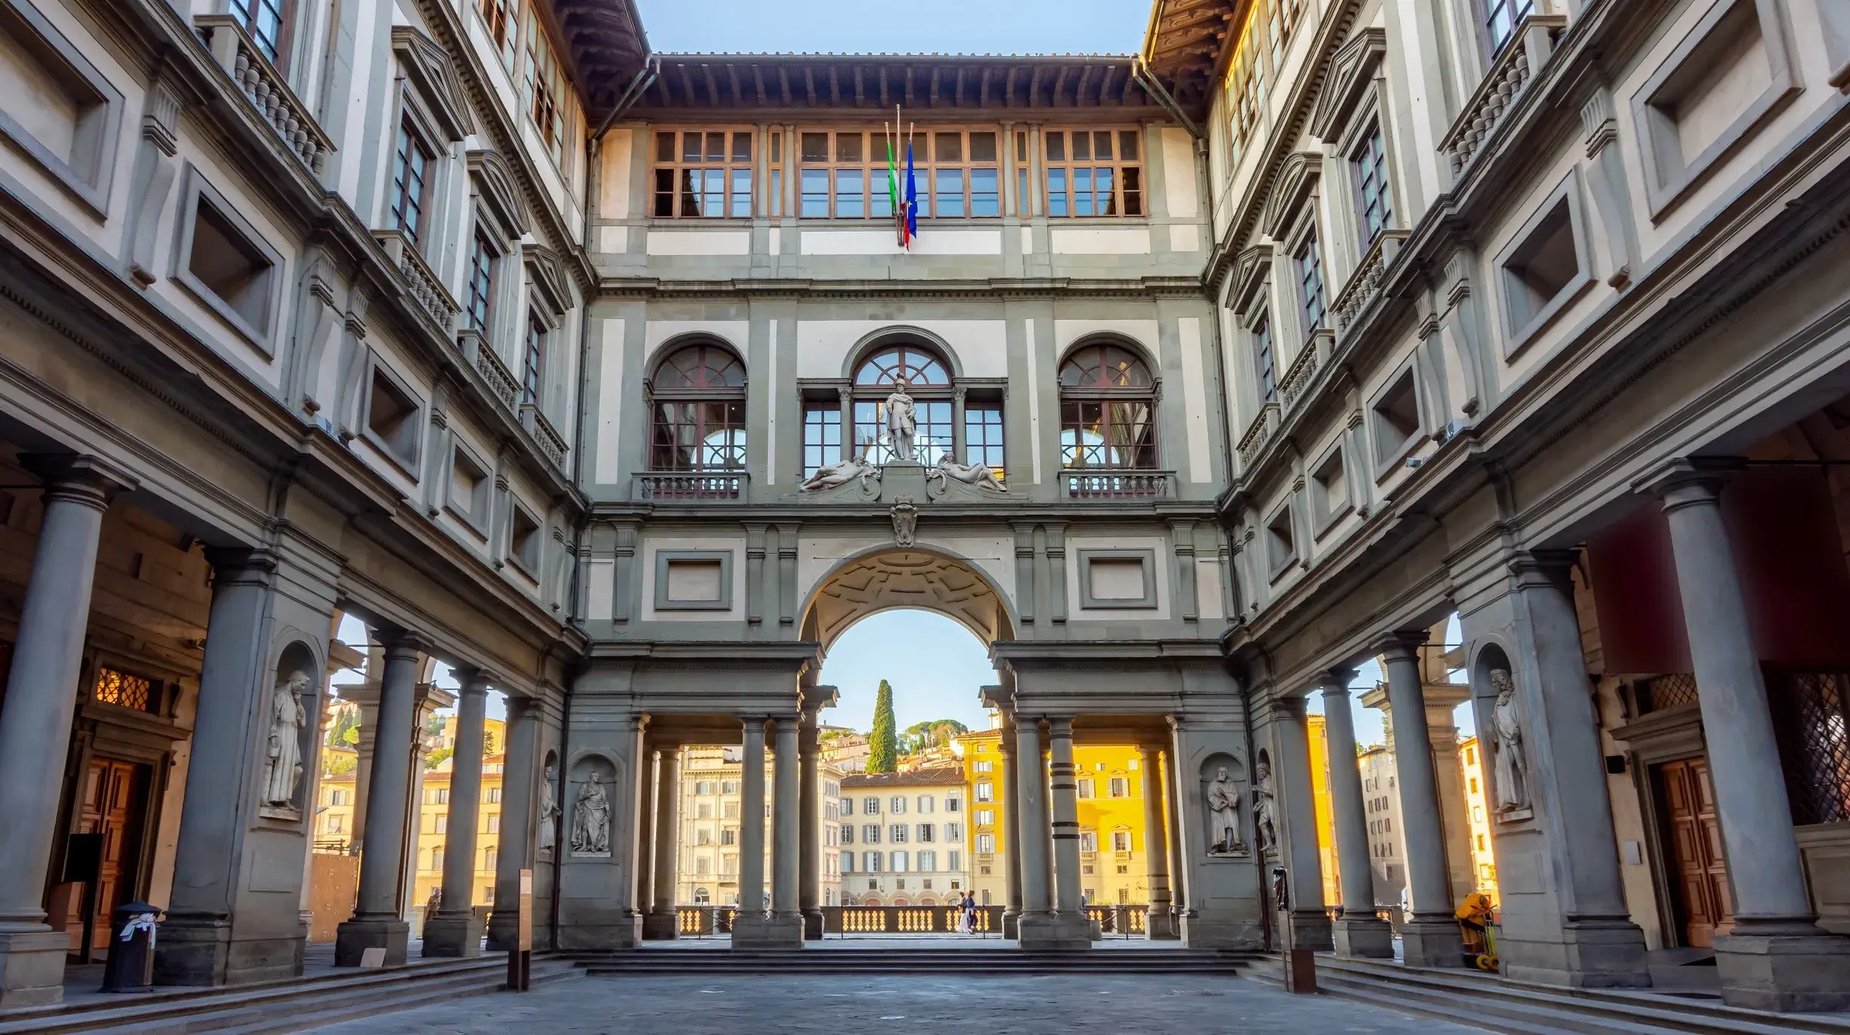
column 980, row 475
column 902, row 424
column 549, row 813
column 830, row 476
column 283, row 768
column 1265, row 825
column 1224, row 815
column 1512, row 770
column 905, row 522
column 591, row 819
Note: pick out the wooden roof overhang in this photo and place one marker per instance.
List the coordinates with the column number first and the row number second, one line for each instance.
column 607, row 47
column 1187, row 46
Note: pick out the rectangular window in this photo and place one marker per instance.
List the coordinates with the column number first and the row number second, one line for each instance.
column 126, row 691
column 847, row 806
column 1248, row 85
column 925, row 804
column 1085, row 787
column 703, row 174
column 1263, row 359
column 1120, row 840
column 982, row 766
column 902, row 862
column 953, row 832
column 899, row 805
column 897, row 833
column 1106, row 433
column 1022, row 206
column 843, row 174
column 870, row 833
column 1310, row 285
column 499, row 16
column 983, row 445
column 481, row 283
column 985, row 843
column 847, row 834
column 952, row 804
column 492, row 796
column 545, row 87
column 410, row 167
column 985, row 817
column 263, row 19
column 821, row 437
column 532, row 359
column 870, row 806
column 1377, row 207
column 1088, row 841
column 926, row 831
column 1120, row 787
column 1093, row 173
column 985, row 791
column 870, row 861
column 928, row 861
column 1501, row 18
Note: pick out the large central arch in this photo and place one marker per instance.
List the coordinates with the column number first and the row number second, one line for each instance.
column 887, row 578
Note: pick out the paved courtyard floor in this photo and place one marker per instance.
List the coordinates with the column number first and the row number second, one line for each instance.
column 1196, row 1005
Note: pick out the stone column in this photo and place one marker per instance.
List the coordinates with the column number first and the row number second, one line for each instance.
column 754, row 928
column 518, row 787
column 1358, row 931
column 663, row 922
column 376, row 923
column 456, row 930
column 1178, row 874
column 645, row 834
column 1430, row 936
column 1160, row 924
column 35, row 726
column 787, row 840
column 1776, row 957
column 1031, row 808
column 1011, row 838
column 809, row 794
column 1067, row 927
column 1309, row 924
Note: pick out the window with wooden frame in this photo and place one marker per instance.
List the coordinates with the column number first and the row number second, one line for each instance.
column 982, row 442
column 1374, row 199
column 1093, row 173
column 267, row 23
column 1247, row 80
column 821, row 434
column 697, row 410
column 1501, row 18
column 410, row 173
column 1309, row 263
column 703, row 174
column 481, row 287
column 1023, row 206
column 533, row 360
column 1265, row 359
column 545, row 88
column 502, row 17
column 928, row 381
column 843, row 173
column 1107, row 410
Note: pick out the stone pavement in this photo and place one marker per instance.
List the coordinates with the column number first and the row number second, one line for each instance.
column 868, row 1003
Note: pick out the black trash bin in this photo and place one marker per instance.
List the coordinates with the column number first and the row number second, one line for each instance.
column 130, row 965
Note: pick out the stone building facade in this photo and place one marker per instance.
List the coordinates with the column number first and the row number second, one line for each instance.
column 902, row 838
column 598, row 375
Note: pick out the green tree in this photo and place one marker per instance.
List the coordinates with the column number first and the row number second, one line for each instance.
column 883, row 743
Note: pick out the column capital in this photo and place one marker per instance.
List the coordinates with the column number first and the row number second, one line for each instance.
column 1401, row 645
column 1292, row 706
column 1687, row 480
column 1537, row 567
column 471, row 680
column 812, row 699
column 80, row 477
column 401, row 642
column 1336, row 682
column 1151, row 748
column 1059, row 725
column 235, row 565
column 1004, row 744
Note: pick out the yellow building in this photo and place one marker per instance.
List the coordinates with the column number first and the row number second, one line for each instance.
column 1326, row 818
column 1483, row 859
column 1113, row 865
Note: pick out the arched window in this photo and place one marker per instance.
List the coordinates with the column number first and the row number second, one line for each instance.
column 702, row 897
column 1107, row 410
column 697, row 411
column 928, row 381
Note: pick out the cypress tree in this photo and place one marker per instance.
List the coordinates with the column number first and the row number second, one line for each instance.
column 883, row 742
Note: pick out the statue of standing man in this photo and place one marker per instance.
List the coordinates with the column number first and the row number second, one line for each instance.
column 284, row 751
column 1224, row 814
column 591, row 819
column 1512, row 771
column 902, row 424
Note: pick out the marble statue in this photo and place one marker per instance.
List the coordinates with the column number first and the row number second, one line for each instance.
column 980, row 475
column 283, row 770
column 1223, row 814
column 549, row 812
column 1264, row 825
column 902, row 425
column 591, row 819
column 829, row 476
column 1512, row 765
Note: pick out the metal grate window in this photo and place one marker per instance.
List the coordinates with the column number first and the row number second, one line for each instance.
column 1812, row 715
column 1668, row 691
column 125, row 691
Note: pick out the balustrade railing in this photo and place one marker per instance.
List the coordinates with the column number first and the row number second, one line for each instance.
column 1364, row 285
column 1120, row 921
column 849, row 920
column 1509, row 75
column 500, row 379
column 551, row 442
column 1258, row 435
column 677, row 486
column 266, row 88
column 1297, row 377
column 704, row 921
column 1108, row 485
column 421, row 282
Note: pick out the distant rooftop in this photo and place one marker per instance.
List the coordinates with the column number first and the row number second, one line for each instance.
column 936, row 776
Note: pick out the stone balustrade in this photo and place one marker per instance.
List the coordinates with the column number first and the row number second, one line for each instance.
column 261, row 82
column 1261, row 431
column 552, row 444
column 1510, row 74
column 421, row 282
column 500, row 379
column 1105, row 485
column 691, row 485
column 1364, row 285
column 1302, row 369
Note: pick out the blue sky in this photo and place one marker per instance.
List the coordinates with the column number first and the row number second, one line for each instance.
column 931, row 26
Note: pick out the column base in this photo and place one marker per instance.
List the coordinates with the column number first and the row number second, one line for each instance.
column 1309, row 929
column 1058, row 932
column 453, row 935
column 354, row 937
column 775, row 932
column 1159, row 924
column 1606, row 953
column 1363, row 937
column 503, row 930
column 32, row 966
column 600, row 934
column 812, row 924
column 1432, row 940
column 1221, row 932
column 195, row 950
column 1799, row 969
column 1011, row 924
column 661, row 926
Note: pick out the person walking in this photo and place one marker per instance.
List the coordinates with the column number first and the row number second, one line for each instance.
column 969, row 913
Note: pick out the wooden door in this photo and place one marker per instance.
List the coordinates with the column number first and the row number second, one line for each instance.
column 115, row 806
column 1699, row 867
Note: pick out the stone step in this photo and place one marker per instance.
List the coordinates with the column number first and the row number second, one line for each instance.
column 942, row 961
column 276, row 1006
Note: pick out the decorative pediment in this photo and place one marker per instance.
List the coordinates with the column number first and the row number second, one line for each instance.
column 1252, row 273
column 1296, row 182
column 547, row 275
column 428, row 69
column 1352, row 71
column 499, row 191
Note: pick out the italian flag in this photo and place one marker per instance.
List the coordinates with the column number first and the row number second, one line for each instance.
column 905, row 207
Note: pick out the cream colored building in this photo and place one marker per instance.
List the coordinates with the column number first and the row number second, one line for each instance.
column 708, row 869
column 902, row 837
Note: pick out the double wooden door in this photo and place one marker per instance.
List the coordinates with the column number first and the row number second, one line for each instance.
column 1698, row 866
column 115, row 806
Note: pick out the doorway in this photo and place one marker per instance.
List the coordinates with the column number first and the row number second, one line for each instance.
column 115, row 808
column 1693, row 843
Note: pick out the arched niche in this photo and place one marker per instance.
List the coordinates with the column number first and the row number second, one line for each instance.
column 291, row 719
column 1223, row 784
column 1502, row 732
column 590, row 794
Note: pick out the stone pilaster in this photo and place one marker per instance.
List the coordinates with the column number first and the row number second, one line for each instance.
column 1221, row 902
column 1032, row 820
